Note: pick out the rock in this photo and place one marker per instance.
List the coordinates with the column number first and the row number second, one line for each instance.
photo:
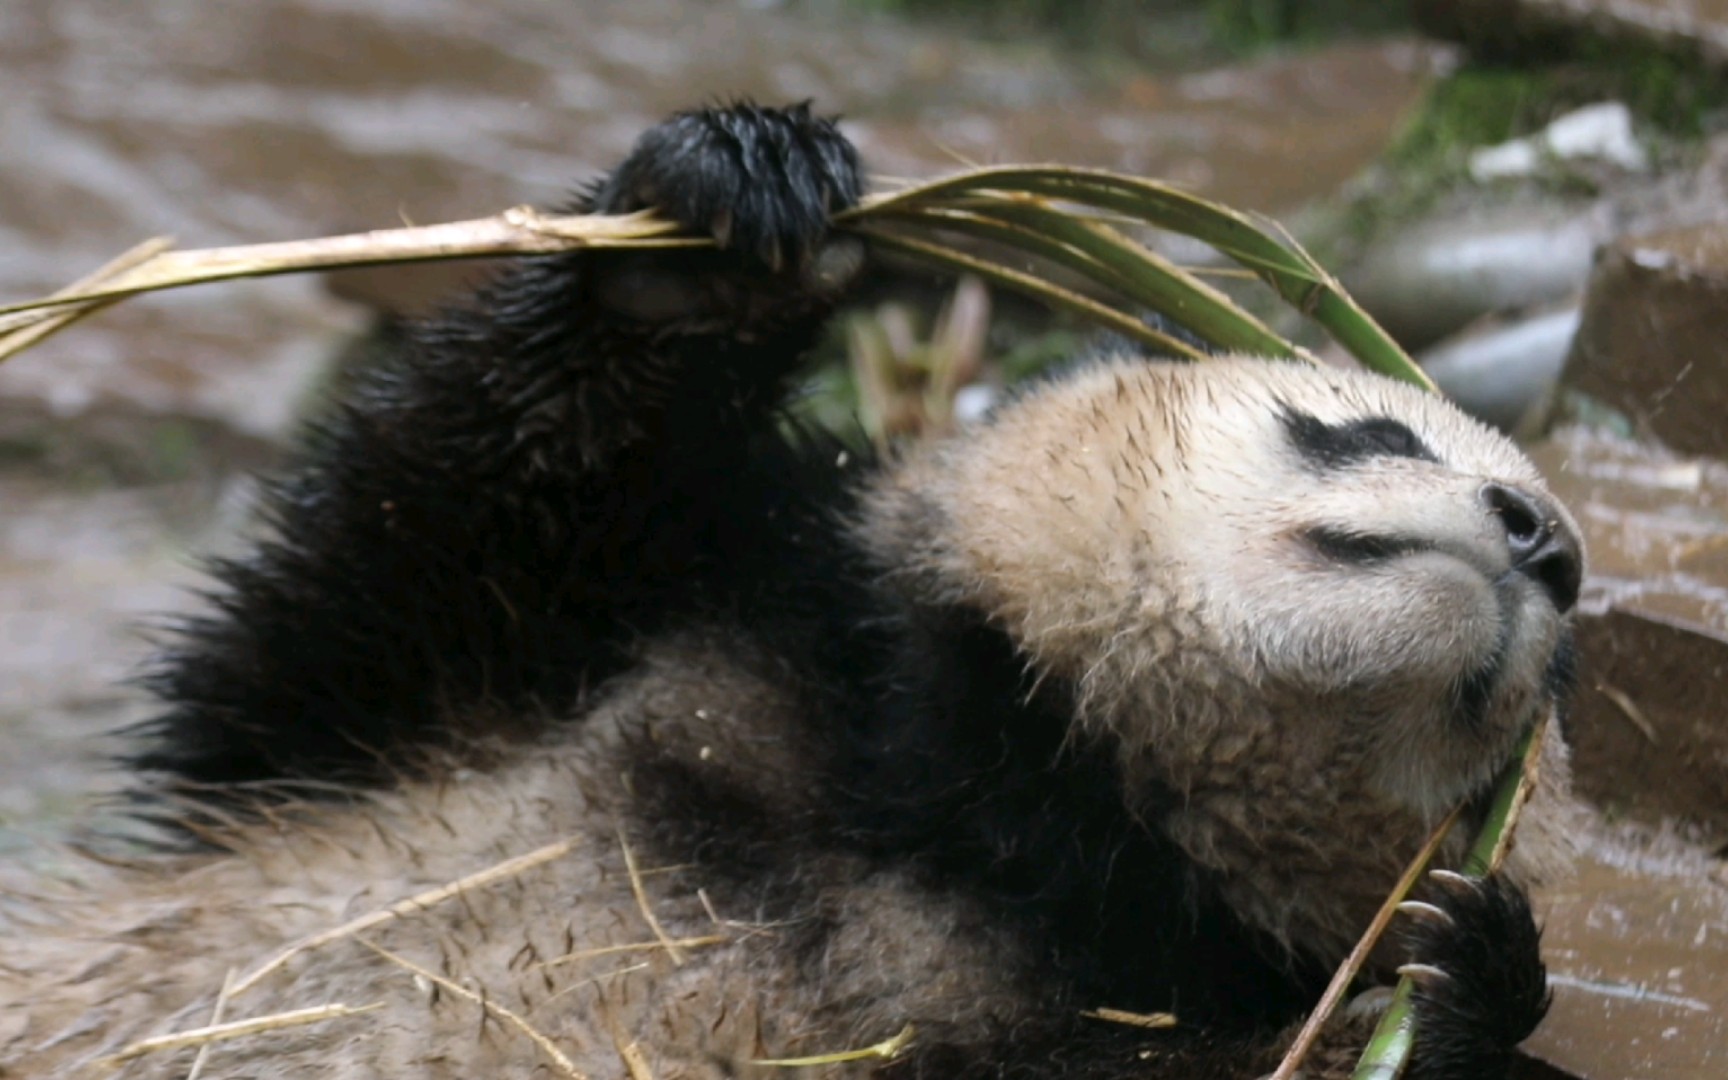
column 1637, row 941
column 1634, row 947
column 1646, row 728
column 1600, row 132
column 1228, row 133
column 1436, row 276
column 1651, row 355
column 972, row 404
column 1688, row 28
column 1496, row 371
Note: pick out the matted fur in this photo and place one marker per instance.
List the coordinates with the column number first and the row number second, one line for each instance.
column 118, row 953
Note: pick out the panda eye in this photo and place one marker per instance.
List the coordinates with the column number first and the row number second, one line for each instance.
column 1380, row 435
column 1333, row 446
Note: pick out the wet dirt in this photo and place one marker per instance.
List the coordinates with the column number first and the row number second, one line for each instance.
column 74, row 569
column 96, row 537
column 1637, row 950
column 1649, row 351
column 1267, row 136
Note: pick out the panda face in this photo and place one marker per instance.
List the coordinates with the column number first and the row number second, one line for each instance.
column 1380, row 554
column 1251, row 568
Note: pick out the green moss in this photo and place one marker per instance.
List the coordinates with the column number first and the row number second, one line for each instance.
column 173, row 451
column 1486, row 103
column 23, row 449
column 1673, row 92
column 1489, row 101
column 1036, row 352
column 1474, row 107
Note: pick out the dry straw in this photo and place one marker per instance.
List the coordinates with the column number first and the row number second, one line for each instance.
column 509, row 1016
column 412, row 905
column 236, row 1029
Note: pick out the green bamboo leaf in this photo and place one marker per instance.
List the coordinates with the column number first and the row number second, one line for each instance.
column 1012, row 204
column 1015, row 237
column 1155, row 281
column 1291, row 272
column 1142, row 278
column 1295, row 275
column 1036, row 287
column 1168, row 207
column 1364, row 338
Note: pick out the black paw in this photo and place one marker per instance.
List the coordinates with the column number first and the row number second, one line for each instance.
column 762, row 182
column 1480, row 985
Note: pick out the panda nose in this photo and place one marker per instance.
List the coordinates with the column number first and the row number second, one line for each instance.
column 1542, row 544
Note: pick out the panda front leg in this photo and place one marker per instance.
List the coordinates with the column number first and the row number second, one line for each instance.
column 1480, row 990
column 1480, row 985
column 611, row 350
column 537, row 477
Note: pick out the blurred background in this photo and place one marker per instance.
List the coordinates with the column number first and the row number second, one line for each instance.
column 1530, row 194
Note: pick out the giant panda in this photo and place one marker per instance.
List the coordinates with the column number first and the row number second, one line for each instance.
column 1131, row 701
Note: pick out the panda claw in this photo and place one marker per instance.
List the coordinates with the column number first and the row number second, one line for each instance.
column 1480, row 985
column 1455, row 882
column 1426, row 975
column 762, row 182
column 1418, row 909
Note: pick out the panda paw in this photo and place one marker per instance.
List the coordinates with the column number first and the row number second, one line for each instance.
column 763, row 182
column 1480, row 985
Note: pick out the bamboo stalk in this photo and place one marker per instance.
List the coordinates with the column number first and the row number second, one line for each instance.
column 1388, row 1050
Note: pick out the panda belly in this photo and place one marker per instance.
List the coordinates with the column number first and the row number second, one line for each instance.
column 617, row 922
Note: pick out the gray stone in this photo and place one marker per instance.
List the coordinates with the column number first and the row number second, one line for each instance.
column 1651, row 356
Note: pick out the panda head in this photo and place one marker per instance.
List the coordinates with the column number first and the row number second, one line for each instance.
column 1257, row 575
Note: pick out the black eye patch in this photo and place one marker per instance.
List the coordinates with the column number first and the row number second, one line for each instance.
column 1333, row 446
column 1343, row 546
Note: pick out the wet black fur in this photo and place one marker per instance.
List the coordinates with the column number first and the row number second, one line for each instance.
column 1495, row 992
column 589, row 454
column 534, row 483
